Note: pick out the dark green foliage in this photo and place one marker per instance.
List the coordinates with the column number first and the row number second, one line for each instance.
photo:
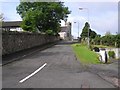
column 42, row 16
column 108, row 40
column 111, row 54
column 92, row 34
column 91, row 47
column 1, row 17
column 97, row 40
column 117, row 40
column 84, row 34
column 49, row 32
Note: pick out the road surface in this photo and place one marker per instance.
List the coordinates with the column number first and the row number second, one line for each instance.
column 55, row 67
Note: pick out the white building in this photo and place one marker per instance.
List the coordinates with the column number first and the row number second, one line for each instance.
column 65, row 32
column 11, row 26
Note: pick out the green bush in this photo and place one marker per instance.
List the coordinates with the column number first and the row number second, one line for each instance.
column 49, row 32
column 91, row 47
column 111, row 54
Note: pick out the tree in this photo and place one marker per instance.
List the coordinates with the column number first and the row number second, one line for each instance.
column 117, row 40
column 42, row 16
column 108, row 40
column 92, row 34
column 97, row 40
column 84, row 33
column 1, row 17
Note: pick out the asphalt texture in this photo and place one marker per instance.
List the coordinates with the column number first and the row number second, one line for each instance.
column 8, row 58
column 63, row 70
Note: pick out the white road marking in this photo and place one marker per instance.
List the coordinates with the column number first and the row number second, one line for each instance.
column 21, row 81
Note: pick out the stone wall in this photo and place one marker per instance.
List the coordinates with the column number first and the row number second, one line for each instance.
column 16, row 41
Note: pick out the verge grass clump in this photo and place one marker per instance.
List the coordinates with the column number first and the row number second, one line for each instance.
column 85, row 55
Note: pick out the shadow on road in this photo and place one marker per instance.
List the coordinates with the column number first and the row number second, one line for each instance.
column 66, row 42
column 18, row 55
column 23, row 53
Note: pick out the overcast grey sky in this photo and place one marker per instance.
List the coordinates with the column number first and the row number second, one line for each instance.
column 103, row 16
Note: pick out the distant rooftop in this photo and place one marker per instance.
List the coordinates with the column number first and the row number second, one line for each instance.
column 63, row 29
column 14, row 24
column 11, row 24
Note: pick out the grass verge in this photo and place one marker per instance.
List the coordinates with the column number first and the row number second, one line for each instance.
column 85, row 55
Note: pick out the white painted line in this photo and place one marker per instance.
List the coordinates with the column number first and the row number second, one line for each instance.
column 21, row 81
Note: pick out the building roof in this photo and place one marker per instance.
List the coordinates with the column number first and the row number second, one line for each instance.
column 14, row 24
column 63, row 29
column 11, row 24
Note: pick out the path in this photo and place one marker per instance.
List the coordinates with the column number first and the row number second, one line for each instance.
column 62, row 70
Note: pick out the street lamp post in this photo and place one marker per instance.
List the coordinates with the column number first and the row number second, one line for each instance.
column 88, row 26
column 78, row 29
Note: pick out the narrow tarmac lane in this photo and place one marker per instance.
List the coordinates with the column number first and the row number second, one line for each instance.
column 55, row 67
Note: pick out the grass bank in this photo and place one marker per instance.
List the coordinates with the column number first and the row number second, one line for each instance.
column 85, row 55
